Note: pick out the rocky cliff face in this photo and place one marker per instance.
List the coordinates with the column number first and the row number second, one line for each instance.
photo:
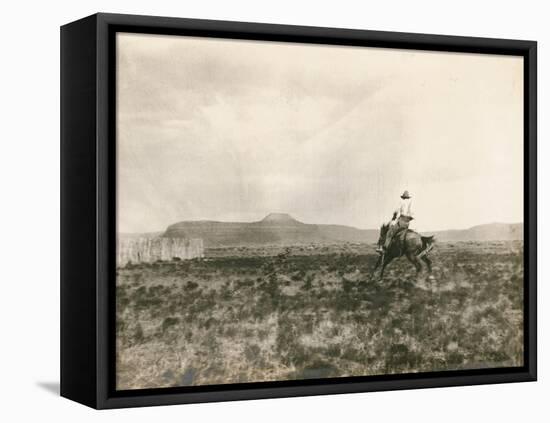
column 148, row 250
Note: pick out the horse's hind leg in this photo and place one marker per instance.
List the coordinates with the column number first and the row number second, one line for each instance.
column 416, row 262
column 428, row 262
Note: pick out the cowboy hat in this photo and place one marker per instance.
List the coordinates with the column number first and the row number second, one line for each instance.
column 406, row 194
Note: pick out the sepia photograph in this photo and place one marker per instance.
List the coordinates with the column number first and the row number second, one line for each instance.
column 290, row 211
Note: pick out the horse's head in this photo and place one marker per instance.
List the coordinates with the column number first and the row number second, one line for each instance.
column 383, row 231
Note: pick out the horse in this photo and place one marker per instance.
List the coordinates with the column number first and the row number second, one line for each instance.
column 406, row 243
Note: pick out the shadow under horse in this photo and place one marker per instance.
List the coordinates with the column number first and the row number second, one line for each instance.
column 406, row 243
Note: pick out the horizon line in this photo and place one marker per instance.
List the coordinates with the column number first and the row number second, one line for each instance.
column 334, row 224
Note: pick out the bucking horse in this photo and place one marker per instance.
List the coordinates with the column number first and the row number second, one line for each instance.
column 406, row 243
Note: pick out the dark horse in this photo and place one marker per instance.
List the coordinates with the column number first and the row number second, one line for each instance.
column 408, row 243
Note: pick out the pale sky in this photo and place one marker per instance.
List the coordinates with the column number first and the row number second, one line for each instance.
column 233, row 130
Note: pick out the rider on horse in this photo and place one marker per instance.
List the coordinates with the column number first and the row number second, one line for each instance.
column 402, row 216
column 412, row 245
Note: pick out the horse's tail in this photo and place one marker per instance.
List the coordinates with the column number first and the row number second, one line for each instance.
column 427, row 240
column 427, row 244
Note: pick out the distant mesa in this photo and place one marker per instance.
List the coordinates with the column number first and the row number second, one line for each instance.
column 273, row 229
column 283, row 229
column 280, row 218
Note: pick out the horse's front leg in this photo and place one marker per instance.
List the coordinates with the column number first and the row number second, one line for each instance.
column 385, row 261
column 380, row 256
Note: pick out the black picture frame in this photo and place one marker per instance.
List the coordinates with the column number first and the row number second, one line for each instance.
column 88, row 214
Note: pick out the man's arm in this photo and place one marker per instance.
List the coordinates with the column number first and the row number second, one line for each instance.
column 397, row 212
column 410, row 209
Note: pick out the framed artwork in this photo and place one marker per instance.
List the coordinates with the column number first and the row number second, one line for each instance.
column 256, row 211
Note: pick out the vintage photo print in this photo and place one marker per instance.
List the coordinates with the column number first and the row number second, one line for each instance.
column 292, row 211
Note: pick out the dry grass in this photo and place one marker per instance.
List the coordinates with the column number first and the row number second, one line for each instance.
column 245, row 315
